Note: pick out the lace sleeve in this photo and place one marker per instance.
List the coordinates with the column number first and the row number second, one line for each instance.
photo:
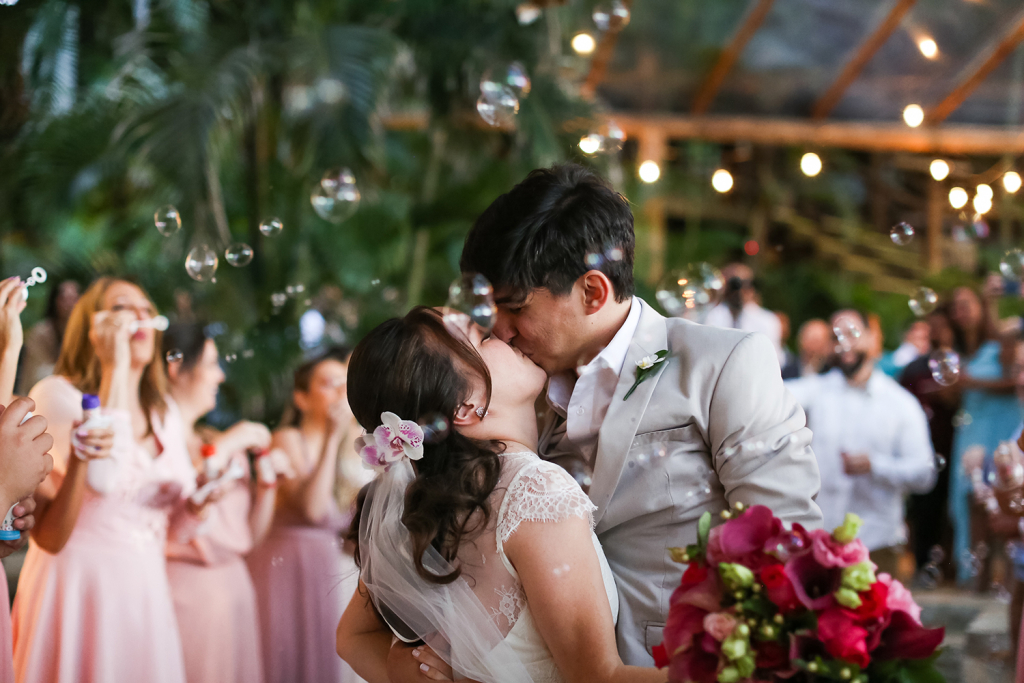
column 542, row 492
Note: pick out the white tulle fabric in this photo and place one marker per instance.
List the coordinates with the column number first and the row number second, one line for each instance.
column 480, row 623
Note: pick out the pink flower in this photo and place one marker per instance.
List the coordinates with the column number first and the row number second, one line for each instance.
column 831, row 553
column 813, row 582
column 393, row 440
column 743, row 539
column 899, row 598
column 719, row 624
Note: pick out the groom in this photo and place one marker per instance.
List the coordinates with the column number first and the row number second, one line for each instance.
column 708, row 426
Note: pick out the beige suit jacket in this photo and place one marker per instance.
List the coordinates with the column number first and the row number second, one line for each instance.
column 686, row 442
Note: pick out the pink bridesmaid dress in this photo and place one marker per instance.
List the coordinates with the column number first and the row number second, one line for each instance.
column 213, row 594
column 100, row 610
column 6, row 654
column 303, row 583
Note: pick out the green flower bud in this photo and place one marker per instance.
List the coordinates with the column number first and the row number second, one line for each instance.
column 848, row 598
column 743, row 631
column 736, row 576
column 733, row 648
column 849, row 529
column 746, row 666
column 729, row 674
column 859, row 577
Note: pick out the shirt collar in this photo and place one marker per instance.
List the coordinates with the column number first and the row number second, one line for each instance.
column 613, row 356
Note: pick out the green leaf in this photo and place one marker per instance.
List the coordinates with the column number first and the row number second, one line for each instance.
column 703, row 529
column 661, row 355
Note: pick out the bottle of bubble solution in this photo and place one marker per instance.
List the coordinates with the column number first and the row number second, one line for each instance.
column 99, row 471
column 265, row 467
column 208, row 451
column 7, row 530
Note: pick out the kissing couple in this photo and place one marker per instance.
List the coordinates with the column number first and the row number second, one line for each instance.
column 480, row 558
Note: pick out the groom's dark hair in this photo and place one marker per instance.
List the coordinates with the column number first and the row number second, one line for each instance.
column 549, row 230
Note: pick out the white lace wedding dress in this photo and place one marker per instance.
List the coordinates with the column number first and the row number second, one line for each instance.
column 529, row 490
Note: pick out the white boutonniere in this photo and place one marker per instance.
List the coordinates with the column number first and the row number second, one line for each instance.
column 645, row 367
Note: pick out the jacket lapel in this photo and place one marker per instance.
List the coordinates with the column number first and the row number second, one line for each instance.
column 623, row 417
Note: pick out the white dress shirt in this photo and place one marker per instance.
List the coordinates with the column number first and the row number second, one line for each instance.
column 583, row 397
column 882, row 420
column 752, row 318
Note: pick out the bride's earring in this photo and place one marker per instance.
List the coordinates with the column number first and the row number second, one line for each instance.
column 480, row 412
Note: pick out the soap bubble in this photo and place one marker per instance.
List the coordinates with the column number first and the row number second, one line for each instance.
column 944, row 366
column 167, row 220
column 940, row 462
column 594, row 260
column 614, row 138
column 936, row 554
column 230, row 358
column 923, row 301
column 847, row 329
column 614, row 254
column 271, row 227
column 238, row 254
column 470, row 301
column 902, row 234
column 652, row 455
column 978, row 228
column 173, row 356
column 435, row 428
column 278, row 299
column 201, row 263
column 1012, row 265
column 497, row 105
column 512, row 75
column 690, row 290
column 337, row 197
column 295, row 290
column 527, row 13
column 615, row 17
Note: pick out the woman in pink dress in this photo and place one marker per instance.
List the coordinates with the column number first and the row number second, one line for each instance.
column 93, row 602
column 213, row 595
column 303, row 577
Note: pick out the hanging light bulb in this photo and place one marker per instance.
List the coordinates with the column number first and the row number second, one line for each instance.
column 928, row 47
column 913, row 115
column 939, row 169
column 583, row 43
column 1011, row 181
column 721, row 180
column 982, row 204
column 590, row 144
column 650, row 171
column 810, row 164
column 985, row 191
column 958, row 197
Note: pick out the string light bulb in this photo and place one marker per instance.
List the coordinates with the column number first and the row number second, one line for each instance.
column 583, row 43
column 985, row 191
column 939, row 169
column 913, row 115
column 650, row 171
column 928, row 47
column 958, row 197
column 810, row 164
column 982, row 204
column 1011, row 181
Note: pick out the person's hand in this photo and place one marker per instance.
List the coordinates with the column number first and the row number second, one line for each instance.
column 856, row 464
column 92, row 444
column 994, row 287
column 25, row 459
column 110, row 336
column 424, row 665
column 282, row 463
column 339, row 417
column 243, row 436
column 12, row 303
column 24, row 520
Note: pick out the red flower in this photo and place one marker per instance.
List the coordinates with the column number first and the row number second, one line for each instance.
column 842, row 638
column 695, row 573
column 814, row 583
column 695, row 664
column 772, row 654
column 873, row 602
column 660, row 657
column 779, row 589
column 904, row 638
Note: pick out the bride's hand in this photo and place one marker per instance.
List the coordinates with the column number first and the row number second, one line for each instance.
column 432, row 666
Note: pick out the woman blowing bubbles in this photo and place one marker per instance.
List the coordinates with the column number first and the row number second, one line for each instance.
column 94, row 602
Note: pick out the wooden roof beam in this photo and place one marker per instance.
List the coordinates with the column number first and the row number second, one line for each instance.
column 874, row 136
column 602, row 57
column 861, row 56
column 978, row 69
column 754, row 16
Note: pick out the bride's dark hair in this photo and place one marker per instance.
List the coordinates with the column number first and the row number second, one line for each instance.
column 413, row 367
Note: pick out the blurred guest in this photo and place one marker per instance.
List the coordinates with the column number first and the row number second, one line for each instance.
column 740, row 310
column 927, row 512
column 990, row 411
column 303, row 577
column 42, row 345
column 24, row 451
column 93, row 601
column 916, row 343
column 815, row 346
column 213, row 593
column 871, row 441
column 788, row 358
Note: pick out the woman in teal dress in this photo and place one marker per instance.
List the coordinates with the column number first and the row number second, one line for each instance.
column 990, row 411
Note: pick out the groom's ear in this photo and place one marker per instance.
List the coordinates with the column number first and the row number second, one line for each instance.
column 465, row 415
column 597, row 291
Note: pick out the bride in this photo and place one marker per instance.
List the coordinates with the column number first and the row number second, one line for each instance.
column 467, row 540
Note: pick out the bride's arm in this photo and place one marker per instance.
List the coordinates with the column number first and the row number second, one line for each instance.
column 362, row 641
column 561, row 576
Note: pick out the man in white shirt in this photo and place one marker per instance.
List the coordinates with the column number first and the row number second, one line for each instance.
column 740, row 310
column 872, row 442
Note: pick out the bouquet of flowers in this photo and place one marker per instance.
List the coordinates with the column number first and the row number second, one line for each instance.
column 762, row 603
